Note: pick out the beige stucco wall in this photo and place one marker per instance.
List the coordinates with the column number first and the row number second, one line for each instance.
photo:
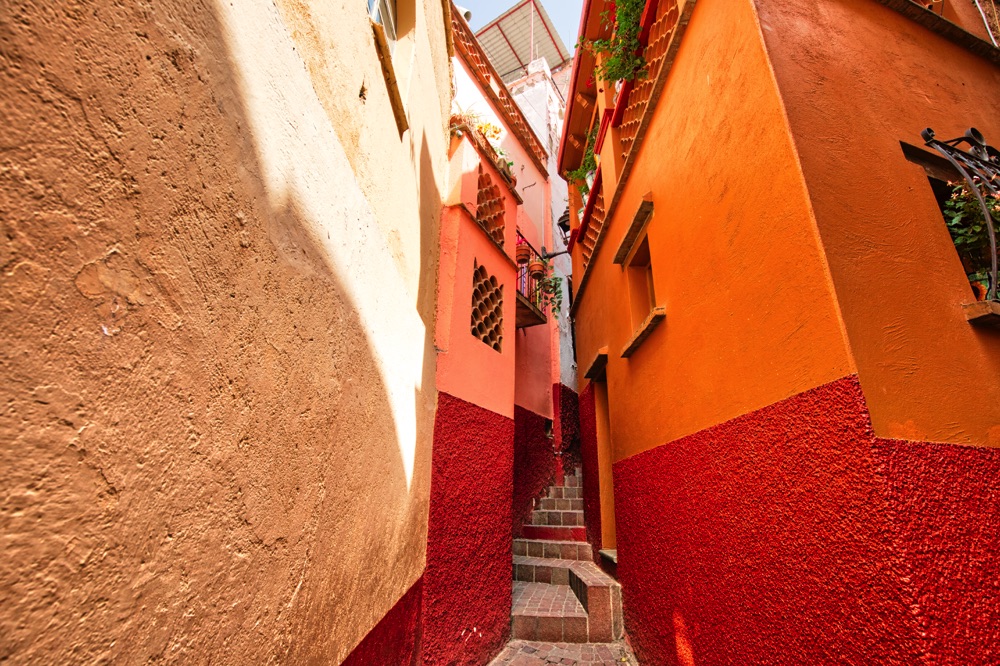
column 216, row 296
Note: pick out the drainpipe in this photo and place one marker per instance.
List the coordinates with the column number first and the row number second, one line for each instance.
column 989, row 30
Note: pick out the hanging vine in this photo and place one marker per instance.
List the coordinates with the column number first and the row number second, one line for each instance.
column 622, row 60
column 587, row 166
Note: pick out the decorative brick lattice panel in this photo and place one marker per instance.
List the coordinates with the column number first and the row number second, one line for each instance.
column 487, row 308
column 594, row 228
column 489, row 207
column 656, row 49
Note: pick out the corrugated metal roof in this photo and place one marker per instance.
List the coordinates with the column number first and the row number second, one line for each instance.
column 521, row 34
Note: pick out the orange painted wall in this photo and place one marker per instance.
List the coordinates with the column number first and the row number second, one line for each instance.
column 852, row 95
column 751, row 317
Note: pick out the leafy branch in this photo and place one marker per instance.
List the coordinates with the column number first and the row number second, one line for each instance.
column 969, row 231
column 587, row 166
column 550, row 289
column 623, row 60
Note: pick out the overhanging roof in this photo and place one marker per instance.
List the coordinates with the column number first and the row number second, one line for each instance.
column 521, row 34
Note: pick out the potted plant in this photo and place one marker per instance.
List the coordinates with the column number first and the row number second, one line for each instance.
column 970, row 233
column 536, row 269
column 523, row 253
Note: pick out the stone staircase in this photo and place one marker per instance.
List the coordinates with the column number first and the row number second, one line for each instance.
column 560, row 595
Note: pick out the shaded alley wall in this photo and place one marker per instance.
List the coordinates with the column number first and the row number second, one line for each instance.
column 216, row 331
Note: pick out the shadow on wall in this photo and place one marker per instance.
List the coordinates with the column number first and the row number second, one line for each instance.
column 201, row 463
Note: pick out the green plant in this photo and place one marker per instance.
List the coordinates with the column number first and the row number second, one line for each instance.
column 969, row 231
column 967, row 225
column 587, row 166
column 623, row 60
column 550, row 291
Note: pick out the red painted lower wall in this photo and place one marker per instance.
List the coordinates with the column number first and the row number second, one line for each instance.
column 566, row 424
column 534, row 465
column 588, row 454
column 943, row 503
column 396, row 638
column 467, row 582
column 792, row 535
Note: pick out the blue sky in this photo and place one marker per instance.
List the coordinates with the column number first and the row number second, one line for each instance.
column 565, row 14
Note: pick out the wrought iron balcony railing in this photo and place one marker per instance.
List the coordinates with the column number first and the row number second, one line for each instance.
column 980, row 168
column 531, row 304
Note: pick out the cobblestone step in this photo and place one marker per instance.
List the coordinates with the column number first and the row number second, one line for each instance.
column 555, row 549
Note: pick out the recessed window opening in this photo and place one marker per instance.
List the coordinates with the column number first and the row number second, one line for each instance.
column 963, row 215
column 642, row 297
column 383, row 12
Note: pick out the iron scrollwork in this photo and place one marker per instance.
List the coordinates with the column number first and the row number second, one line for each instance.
column 980, row 166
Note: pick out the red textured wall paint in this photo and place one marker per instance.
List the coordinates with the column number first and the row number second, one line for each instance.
column 943, row 504
column 534, row 464
column 792, row 535
column 588, row 453
column 396, row 638
column 467, row 582
column 566, row 423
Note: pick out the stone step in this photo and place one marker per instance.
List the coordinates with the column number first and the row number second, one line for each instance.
column 551, row 504
column 554, row 532
column 598, row 593
column 542, row 570
column 560, row 492
column 534, row 653
column 569, row 518
column 556, row 550
column 569, row 482
column 550, row 613
column 601, row 597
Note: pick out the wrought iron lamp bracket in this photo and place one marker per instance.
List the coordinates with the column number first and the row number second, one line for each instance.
column 980, row 166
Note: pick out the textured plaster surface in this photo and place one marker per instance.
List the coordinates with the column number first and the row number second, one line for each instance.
column 395, row 639
column 566, row 424
column 217, row 395
column 793, row 535
column 538, row 96
column 751, row 316
column 591, row 468
column 857, row 78
column 467, row 368
column 534, row 465
column 466, row 608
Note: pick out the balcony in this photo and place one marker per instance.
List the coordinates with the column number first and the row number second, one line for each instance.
column 530, row 305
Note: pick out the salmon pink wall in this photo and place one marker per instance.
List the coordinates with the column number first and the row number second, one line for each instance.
column 793, row 535
column 852, row 96
column 467, row 367
column 735, row 257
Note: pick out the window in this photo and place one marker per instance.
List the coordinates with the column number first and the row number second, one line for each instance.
column 646, row 314
column 642, row 298
column 383, row 12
